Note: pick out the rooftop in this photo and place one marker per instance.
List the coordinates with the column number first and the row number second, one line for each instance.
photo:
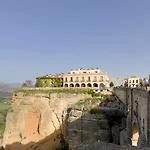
column 85, row 69
column 51, row 76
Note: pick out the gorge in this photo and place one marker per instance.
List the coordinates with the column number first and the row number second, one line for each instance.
column 61, row 119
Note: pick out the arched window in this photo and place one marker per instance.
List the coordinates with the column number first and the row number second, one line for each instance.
column 66, row 85
column 95, row 78
column 135, row 135
column 82, row 85
column 66, row 79
column 82, row 79
column 101, row 78
column 77, row 85
column 77, row 79
column 95, row 85
column 89, row 85
column 71, row 85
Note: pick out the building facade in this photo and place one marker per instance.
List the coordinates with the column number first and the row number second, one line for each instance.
column 88, row 78
column 55, row 80
column 133, row 82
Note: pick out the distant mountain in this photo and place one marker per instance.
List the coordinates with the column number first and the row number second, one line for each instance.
column 6, row 89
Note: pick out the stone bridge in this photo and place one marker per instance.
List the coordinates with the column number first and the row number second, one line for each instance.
column 137, row 106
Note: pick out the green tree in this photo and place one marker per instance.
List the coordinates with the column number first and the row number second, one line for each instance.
column 57, row 83
column 27, row 83
column 111, row 84
column 39, row 83
column 24, row 84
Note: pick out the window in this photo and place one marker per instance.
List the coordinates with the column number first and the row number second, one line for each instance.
column 129, row 81
column 73, row 72
column 77, row 79
column 132, row 81
column 71, row 79
column 95, row 78
column 84, row 72
column 89, row 79
column 101, row 78
column 82, row 79
column 66, row 79
column 96, row 71
column 137, row 81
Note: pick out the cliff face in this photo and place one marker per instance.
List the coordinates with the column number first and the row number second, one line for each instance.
column 36, row 120
column 94, row 120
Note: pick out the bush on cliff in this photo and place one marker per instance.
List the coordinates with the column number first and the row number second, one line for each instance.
column 49, row 91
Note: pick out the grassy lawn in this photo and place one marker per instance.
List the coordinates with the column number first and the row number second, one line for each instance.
column 5, row 106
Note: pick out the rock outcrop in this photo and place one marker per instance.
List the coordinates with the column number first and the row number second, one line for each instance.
column 94, row 120
column 44, row 121
column 36, row 121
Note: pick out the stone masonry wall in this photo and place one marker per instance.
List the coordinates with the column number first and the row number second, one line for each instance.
column 83, row 126
column 137, row 102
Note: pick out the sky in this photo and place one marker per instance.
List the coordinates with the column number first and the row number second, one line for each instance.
column 39, row 37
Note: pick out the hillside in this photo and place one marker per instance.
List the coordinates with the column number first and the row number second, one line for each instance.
column 6, row 89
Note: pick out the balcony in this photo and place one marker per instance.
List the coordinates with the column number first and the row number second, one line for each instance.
column 88, row 81
column 94, row 80
column 101, row 80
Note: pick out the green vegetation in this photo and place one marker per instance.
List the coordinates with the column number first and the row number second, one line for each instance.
column 48, row 82
column 5, row 106
column 57, row 83
column 93, row 111
column 92, row 101
column 27, row 83
column 39, row 83
column 111, row 84
column 49, row 91
column 89, row 101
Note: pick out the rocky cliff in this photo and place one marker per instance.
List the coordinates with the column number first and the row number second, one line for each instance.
column 95, row 119
column 37, row 119
column 51, row 119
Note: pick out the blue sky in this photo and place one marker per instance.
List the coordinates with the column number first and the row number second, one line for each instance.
column 51, row 36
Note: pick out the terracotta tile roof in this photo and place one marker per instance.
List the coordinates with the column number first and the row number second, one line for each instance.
column 51, row 76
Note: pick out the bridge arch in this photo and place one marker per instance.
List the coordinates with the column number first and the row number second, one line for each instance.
column 135, row 134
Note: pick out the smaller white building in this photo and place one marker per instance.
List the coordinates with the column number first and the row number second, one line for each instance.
column 133, row 81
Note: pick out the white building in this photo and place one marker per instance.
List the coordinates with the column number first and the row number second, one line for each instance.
column 88, row 78
column 133, row 81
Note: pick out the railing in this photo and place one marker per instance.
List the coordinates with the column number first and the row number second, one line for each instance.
column 101, row 80
column 94, row 80
column 88, row 81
